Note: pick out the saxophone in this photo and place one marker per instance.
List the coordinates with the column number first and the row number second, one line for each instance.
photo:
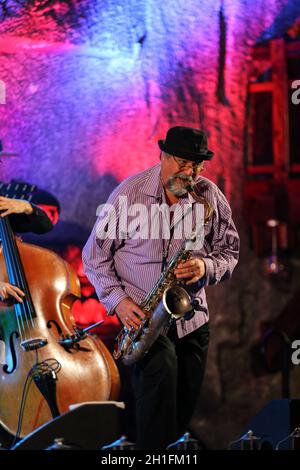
column 166, row 302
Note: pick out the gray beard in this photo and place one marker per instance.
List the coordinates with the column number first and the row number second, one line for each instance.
column 179, row 187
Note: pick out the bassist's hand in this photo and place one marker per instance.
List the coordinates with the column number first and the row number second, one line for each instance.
column 14, row 206
column 9, row 292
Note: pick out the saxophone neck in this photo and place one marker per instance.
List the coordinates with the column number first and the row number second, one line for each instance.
column 208, row 208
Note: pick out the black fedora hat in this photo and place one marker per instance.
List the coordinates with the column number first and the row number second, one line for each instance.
column 186, row 143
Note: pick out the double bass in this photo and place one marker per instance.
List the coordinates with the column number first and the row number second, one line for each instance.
column 46, row 364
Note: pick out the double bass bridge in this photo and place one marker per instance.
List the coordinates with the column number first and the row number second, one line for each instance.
column 33, row 344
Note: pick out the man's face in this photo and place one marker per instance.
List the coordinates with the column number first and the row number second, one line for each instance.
column 177, row 173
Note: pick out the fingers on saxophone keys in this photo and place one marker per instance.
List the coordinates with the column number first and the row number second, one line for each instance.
column 188, row 267
column 187, row 275
column 129, row 326
column 133, row 321
column 139, row 314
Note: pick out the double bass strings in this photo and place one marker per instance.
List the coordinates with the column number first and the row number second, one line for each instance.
column 16, row 276
column 6, row 253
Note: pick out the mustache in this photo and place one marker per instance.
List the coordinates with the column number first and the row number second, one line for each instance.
column 188, row 181
column 183, row 176
column 184, row 186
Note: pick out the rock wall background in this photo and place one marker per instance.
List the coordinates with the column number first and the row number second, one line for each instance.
column 90, row 88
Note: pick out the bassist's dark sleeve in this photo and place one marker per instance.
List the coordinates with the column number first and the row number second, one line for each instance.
column 37, row 222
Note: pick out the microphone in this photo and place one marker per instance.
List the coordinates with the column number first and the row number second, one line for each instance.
column 80, row 334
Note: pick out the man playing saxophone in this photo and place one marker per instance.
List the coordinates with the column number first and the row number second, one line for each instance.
column 124, row 262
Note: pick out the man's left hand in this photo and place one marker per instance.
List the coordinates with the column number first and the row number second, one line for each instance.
column 192, row 270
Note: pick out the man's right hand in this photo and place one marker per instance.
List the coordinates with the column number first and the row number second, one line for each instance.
column 129, row 313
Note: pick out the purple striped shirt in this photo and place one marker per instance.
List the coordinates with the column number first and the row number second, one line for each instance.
column 129, row 267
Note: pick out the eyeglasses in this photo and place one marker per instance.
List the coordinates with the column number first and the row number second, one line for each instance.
column 181, row 162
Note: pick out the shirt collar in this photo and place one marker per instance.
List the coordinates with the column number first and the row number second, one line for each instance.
column 153, row 186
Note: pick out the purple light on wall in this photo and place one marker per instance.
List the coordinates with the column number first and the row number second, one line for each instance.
column 92, row 86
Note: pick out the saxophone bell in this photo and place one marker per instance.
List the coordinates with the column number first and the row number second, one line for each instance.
column 177, row 302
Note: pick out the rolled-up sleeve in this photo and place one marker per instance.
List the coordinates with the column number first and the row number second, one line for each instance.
column 223, row 242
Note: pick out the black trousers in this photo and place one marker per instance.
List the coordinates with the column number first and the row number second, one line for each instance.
column 166, row 384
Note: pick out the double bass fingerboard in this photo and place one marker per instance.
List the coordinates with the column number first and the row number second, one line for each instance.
column 15, row 271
